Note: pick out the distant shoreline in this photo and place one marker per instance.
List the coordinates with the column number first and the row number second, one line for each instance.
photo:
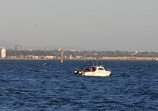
column 104, row 58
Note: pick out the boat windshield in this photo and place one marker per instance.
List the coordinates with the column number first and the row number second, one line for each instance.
column 100, row 69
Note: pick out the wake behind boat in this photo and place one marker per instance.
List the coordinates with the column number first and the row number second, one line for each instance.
column 93, row 71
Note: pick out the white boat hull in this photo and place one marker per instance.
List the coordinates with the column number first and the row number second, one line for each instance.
column 106, row 73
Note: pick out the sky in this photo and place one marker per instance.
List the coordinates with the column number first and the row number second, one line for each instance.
column 80, row 24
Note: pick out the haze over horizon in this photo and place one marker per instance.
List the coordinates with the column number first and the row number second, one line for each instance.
column 80, row 24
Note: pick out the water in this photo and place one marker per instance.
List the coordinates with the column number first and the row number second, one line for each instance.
column 47, row 85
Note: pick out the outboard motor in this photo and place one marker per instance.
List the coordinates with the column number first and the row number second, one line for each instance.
column 80, row 72
column 75, row 72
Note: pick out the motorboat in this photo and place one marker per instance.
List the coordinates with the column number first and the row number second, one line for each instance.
column 93, row 71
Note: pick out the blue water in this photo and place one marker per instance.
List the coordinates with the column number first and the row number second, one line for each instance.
column 47, row 85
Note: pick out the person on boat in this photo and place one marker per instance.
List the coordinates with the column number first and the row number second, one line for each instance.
column 91, row 69
column 81, row 69
column 94, row 69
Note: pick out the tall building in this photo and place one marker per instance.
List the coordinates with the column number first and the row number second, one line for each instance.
column 3, row 53
column 18, row 48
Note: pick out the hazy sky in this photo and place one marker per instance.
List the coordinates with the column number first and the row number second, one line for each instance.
column 81, row 24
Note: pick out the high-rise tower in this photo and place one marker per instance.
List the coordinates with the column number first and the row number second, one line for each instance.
column 3, row 52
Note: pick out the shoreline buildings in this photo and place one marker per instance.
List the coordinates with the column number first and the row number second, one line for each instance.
column 75, row 55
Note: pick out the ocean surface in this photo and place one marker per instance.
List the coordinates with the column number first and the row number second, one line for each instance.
column 47, row 85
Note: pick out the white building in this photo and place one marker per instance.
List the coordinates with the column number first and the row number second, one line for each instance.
column 60, row 49
column 3, row 52
column 50, row 57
